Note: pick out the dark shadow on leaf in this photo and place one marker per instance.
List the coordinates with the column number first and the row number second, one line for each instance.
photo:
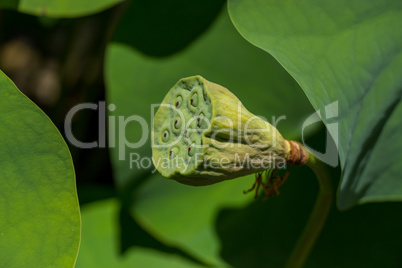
column 133, row 235
column 361, row 160
column 266, row 231
column 161, row 28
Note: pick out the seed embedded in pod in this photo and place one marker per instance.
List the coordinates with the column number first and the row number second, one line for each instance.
column 177, row 123
column 200, row 119
column 191, row 150
column 178, row 101
column 194, row 99
column 165, row 135
column 173, row 152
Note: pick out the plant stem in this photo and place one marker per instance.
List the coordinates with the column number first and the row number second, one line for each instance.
column 317, row 217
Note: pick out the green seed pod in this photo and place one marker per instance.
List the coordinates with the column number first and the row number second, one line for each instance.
column 202, row 134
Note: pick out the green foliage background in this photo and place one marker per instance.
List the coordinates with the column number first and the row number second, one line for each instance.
column 130, row 53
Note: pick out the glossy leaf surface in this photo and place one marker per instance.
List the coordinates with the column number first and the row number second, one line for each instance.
column 346, row 55
column 40, row 219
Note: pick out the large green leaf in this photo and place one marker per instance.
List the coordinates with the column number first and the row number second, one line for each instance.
column 347, row 52
column 40, row 220
column 100, row 248
column 63, row 8
column 182, row 215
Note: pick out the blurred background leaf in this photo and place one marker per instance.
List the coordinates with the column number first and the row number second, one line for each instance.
column 40, row 220
column 180, row 215
column 349, row 52
column 9, row 4
column 100, row 246
column 61, row 8
column 185, row 216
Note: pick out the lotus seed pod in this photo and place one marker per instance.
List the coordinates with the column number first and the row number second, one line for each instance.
column 202, row 134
